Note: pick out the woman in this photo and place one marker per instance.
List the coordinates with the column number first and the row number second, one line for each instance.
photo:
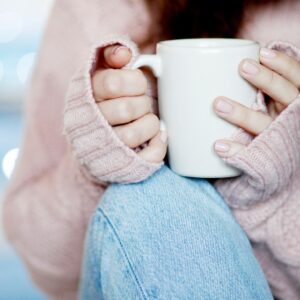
column 54, row 195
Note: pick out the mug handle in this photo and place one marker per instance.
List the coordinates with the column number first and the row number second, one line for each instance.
column 154, row 63
column 151, row 61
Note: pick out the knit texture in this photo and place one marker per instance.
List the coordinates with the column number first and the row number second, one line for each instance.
column 266, row 198
column 95, row 144
column 59, row 179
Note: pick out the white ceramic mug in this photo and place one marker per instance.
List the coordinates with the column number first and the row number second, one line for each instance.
column 191, row 74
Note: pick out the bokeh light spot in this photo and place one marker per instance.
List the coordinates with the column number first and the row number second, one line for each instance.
column 25, row 66
column 10, row 26
column 9, row 161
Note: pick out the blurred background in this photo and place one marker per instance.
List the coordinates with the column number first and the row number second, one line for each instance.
column 21, row 27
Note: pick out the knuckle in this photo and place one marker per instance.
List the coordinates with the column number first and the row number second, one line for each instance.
column 158, row 153
column 288, row 65
column 142, row 78
column 139, row 73
column 156, row 156
column 111, row 82
column 235, row 148
column 153, row 155
column 155, row 121
column 243, row 116
column 148, row 102
column 270, row 79
column 124, row 111
column 130, row 137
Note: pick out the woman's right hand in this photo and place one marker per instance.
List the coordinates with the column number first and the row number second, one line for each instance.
column 121, row 97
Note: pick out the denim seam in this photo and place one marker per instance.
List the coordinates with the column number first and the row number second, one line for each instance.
column 135, row 277
column 92, row 258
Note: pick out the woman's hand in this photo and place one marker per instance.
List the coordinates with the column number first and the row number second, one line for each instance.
column 278, row 76
column 121, row 97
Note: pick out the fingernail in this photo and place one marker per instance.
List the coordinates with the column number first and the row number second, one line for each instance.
column 250, row 67
column 223, row 106
column 221, row 147
column 118, row 49
column 267, row 53
column 164, row 136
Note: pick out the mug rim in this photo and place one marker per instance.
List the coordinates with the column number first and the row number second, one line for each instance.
column 230, row 43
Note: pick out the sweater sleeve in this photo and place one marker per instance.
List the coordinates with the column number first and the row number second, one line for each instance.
column 270, row 160
column 95, row 144
column 265, row 199
column 59, row 179
column 49, row 234
column 46, row 220
column 51, row 243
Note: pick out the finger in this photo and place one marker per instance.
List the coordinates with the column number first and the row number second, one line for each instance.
column 226, row 148
column 235, row 113
column 271, row 83
column 124, row 110
column 117, row 56
column 281, row 63
column 156, row 151
column 139, row 131
column 110, row 84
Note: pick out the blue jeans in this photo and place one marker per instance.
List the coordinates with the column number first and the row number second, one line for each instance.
column 169, row 237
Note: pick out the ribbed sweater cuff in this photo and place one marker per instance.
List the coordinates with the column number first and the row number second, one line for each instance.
column 271, row 159
column 94, row 143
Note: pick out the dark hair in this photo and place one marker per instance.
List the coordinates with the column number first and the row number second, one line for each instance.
column 199, row 18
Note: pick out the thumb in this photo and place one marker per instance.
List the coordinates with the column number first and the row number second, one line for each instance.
column 117, row 56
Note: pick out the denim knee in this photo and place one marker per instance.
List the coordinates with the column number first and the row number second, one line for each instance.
column 169, row 237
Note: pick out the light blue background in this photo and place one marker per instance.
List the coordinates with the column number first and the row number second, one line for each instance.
column 15, row 283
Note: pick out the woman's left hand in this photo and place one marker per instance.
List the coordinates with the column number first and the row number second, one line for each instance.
column 278, row 76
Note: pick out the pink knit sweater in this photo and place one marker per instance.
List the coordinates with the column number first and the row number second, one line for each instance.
column 60, row 178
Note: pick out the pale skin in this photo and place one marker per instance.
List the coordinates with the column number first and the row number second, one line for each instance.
column 121, row 96
column 278, row 76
